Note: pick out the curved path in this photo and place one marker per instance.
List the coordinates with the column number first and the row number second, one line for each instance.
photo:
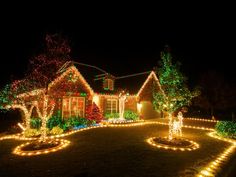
column 114, row 151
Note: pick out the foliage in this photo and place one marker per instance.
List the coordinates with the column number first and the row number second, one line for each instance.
column 54, row 121
column 226, row 128
column 56, row 130
column 44, row 66
column 93, row 113
column 130, row 115
column 35, row 123
column 174, row 92
column 111, row 115
column 72, row 122
column 31, row 132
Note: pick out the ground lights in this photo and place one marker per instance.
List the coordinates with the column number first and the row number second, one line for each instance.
column 214, row 166
column 61, row 144
column 209, row 170
column 193, row 145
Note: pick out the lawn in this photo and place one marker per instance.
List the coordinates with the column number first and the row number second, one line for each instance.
column 114, row 151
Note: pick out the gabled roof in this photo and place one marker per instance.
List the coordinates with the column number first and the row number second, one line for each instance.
column 151, row 75
column 66, row 72
column 133, row 85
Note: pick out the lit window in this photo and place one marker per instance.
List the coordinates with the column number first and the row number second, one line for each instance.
column 108, row 84
column 73, row 107
column 111, row 106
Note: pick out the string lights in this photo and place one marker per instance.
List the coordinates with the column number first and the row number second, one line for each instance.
column 214, row 166
column 61, row 144
column 193, row 145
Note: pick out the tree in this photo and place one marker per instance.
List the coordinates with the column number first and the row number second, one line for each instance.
column 10, row 99
column 33, row 89
column 174, row 93
column 94, row 113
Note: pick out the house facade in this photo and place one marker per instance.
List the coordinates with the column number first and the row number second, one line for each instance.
column 76, row 87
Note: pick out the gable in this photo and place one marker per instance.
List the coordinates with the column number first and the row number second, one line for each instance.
column 70, row 81
column 145, row 91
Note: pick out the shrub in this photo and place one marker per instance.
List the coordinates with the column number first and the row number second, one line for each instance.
column 31, row 132
column 226, row 128
column 111, row 115
column 130, row 115
column 94, row 113
column 35, row 123
column 54, row 121
column 56, row 130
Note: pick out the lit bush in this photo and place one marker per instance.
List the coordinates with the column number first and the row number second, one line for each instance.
column 111, row 115
column 35, row 123
column 54, row 121
column 226, row 128
column 56, row 131
column 130, row 115
column 31, row 132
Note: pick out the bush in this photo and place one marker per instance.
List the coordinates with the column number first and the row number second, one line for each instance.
column 72, row 122
column 226, row 129
column 56, row 130
column 94, row 113
column 54, row 121
column 111, row 115
column 35, row 123
column 31, row 132
column 130, row 115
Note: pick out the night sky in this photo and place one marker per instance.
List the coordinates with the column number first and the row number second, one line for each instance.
column 123, row 43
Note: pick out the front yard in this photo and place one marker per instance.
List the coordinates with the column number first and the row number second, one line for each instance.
column 115, row 151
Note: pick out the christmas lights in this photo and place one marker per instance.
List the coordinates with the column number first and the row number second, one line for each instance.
column 193, row 145
column 61, row 144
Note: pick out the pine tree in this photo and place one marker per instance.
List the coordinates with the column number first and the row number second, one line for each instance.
column 174, row 92
column 94, row 113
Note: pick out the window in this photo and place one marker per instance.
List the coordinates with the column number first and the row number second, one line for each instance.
column 73, row 107
column 111, row 106
column 108, row 84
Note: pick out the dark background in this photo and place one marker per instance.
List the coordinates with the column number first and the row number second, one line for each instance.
column 122, row 39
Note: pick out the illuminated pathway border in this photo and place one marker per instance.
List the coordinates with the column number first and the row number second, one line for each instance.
column 210, row 169
column 62, row 144
column 214, row 166
column 191, row 147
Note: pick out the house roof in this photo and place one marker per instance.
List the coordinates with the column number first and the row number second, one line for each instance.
column 131, row 84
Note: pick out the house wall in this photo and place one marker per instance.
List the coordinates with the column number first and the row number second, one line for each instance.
column 130, row 104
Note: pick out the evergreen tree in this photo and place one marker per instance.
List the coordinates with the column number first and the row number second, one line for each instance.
column 94, row 113
column 174, row 92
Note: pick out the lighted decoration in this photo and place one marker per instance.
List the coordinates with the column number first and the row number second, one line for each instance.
column 177, row 125
column 151, row 76
column 139, row 107
column 44, row 115
column 21, row 126
column 60, row 145
column 214, row 166
column 77, row 74
column 174, row 93
column 27, row 112
column 193, row 145
column 96, row 99
column 122, row 99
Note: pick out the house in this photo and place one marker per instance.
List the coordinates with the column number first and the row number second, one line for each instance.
column 77, row 86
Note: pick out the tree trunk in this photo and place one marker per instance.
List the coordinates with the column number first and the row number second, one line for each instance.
column 170, row 126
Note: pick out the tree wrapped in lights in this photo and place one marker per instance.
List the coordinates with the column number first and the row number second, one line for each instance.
column 33, row 89
column 44, row 68
column 174, row 92
column 10, row 99
column 94, row 113
column 45, row 114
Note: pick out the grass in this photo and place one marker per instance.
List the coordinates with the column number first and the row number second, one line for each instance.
column 111, row 152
